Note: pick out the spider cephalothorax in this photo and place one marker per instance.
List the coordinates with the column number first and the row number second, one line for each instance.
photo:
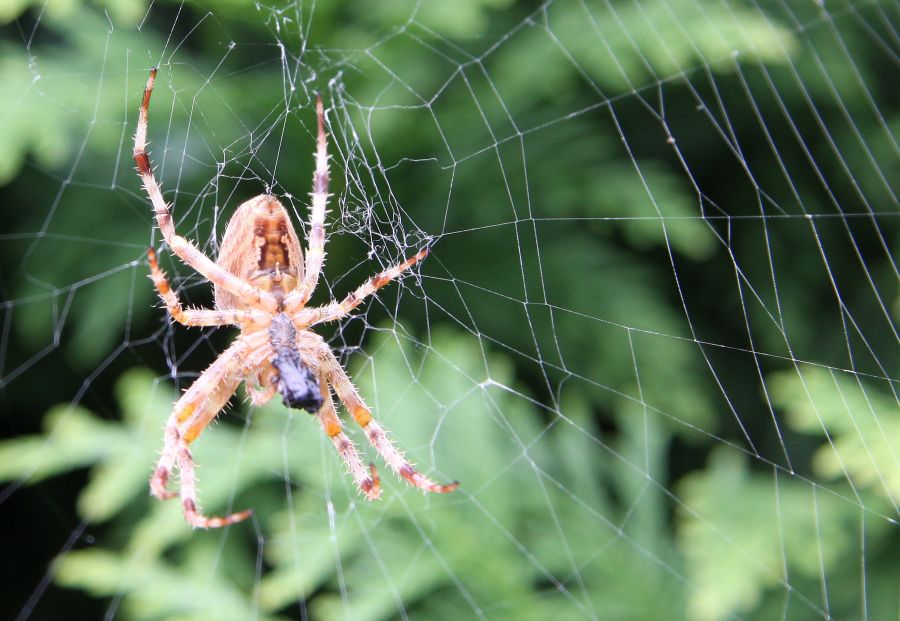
column 262, row 284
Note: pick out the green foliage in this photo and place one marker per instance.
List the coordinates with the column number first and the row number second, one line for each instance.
column 730, row 513
column 160, row 557
column 727, row 530
column 862, row 443
column 581, row 360
column 400, row 548
column 631, row 45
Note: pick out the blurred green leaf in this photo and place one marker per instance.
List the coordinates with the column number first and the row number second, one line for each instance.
column 863, row 444
column 155, row 589
column 622, row 46
column 725, row 531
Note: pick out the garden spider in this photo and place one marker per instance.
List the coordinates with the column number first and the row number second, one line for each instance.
column 262, row 286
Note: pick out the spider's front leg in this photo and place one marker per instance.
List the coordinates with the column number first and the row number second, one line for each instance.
column 185, row 250
column 315, row 252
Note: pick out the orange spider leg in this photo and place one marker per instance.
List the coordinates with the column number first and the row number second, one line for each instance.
column 366, row 478
column 376, row 434
column 174, row 434
column 200, row 316
column 315, row 252
column 185, row 250
column 337, row 310
column 198, row 406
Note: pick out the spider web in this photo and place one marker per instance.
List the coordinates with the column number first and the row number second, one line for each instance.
column 655, row 339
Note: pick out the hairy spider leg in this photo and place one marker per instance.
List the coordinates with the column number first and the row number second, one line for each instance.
column 200, row 316
column 185, row 250
column 196, row 408
column 173, row 435
column 315, row 251
column 337, row 310
column 366, row 478
column 376, row 434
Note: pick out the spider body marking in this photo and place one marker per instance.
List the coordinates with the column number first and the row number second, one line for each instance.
column 262, row 282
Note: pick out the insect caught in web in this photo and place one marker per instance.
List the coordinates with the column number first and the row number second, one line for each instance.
column 262, row 285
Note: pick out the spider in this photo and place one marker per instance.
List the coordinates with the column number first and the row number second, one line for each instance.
column 262, row 285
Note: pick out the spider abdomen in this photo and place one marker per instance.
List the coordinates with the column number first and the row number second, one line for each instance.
column 261, row 246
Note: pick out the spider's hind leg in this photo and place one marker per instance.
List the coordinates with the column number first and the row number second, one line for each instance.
column 184, row 417
column 185, row 250
column 192, row 513
column 366, row 478
column 375, row 433
column 192, row 413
